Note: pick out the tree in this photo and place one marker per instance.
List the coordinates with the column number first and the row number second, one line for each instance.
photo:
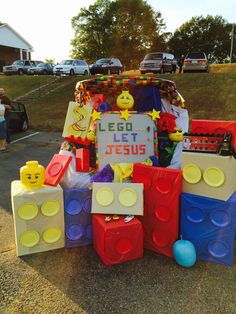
column 209, row 34
column 125, row 29
column 50, row 60
column 136, row 29
column 92, row 32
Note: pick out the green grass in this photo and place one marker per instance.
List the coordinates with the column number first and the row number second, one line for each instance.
column 16, row 85
column 207, row 96
column 48, row 113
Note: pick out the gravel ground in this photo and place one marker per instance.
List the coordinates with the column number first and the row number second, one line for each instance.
column 75, row 280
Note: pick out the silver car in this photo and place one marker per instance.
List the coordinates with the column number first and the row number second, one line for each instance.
column 158, row 62
column 195, row 61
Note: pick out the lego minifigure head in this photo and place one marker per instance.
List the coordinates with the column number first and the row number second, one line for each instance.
column 176, row 136
column 125, row 100
column 32, row 175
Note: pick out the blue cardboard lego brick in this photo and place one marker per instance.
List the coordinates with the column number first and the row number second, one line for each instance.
column 78, row 221
column 209, row 224
column 232, row 200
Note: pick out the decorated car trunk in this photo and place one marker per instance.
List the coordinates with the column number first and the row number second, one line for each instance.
column 120, row 168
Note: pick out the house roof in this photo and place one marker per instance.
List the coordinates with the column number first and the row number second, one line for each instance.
column 9, row 37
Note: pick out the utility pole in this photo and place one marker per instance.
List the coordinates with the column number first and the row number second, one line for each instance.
column 232, row 44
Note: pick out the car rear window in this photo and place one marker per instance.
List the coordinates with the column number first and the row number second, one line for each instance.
column 153, row 56
column 196, row 55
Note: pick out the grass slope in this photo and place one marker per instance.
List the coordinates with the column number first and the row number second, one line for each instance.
column 207, row 96
column 16, row 85
column 48, row 113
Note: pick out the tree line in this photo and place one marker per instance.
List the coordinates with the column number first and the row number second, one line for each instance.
column 128, row 29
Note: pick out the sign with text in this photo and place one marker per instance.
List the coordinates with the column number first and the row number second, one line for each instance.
column 120, row 141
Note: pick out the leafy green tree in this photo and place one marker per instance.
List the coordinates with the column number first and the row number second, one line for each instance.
column 92, row 28
column 136, row 29
column 210, row 34
column 125, row 29
column 50, row 60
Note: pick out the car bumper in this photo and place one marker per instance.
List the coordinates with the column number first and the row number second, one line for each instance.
column 193, row 67
column 153, row 70
column 9, row 72
column 60, row 72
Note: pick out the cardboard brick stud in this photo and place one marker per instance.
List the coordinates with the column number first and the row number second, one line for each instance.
column 209, row 224
column 82, row 160
column 117, row 241
column 209, row 175
column 78, row 220
column 56, row 169
column 117, row 198
column 162, row 188
column 38, row 218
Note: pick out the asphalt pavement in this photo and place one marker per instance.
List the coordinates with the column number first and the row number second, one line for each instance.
column 76, row 281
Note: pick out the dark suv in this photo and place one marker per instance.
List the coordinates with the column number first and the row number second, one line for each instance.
column 20, row 67
column 106, row 66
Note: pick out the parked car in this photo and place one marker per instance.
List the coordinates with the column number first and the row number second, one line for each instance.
column 158, row 62
column 195, row 61
column 71, row 67
column 18, row 118
column 106, row 66
column 20, row 67
column 41, row 68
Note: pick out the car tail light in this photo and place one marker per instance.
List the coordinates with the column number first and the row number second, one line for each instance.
column 187, row 62
column 202, row 61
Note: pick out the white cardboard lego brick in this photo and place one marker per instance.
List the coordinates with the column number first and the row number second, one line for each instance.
column 126, row 199
column 227, row 164
column 40, row 223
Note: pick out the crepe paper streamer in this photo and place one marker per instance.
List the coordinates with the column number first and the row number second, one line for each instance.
column 114, row 85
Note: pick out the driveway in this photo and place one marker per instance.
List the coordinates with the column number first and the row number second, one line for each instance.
column 75, row 280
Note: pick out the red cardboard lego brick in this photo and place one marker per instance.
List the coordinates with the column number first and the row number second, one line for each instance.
column 56, row 169
column 82, row 160
column 162, row 188
column 216, row 127
column 117, row 241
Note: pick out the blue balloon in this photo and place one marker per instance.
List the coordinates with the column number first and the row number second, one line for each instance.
column 184, row 253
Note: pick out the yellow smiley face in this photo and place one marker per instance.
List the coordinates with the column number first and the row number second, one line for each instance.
column 32, row 175
column 91, row 135
column 125, row 100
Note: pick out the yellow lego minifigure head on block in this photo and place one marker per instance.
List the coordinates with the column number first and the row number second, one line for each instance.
column 32, row 175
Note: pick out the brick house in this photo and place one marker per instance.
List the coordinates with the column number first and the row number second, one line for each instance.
column 12, row 46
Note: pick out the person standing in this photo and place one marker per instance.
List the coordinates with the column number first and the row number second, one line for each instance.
column 180, row 63
column 5, row 104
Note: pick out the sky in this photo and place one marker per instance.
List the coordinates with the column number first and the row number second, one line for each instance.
column 46, row 24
